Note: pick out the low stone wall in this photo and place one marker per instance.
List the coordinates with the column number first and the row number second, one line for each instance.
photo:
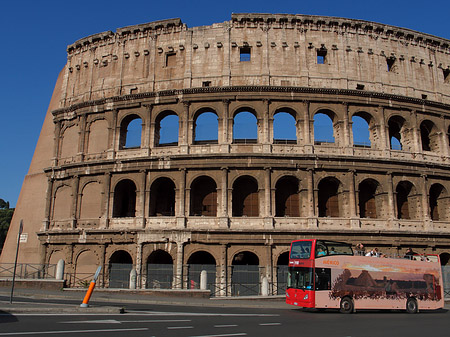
column 34, row 284
column 151, row 292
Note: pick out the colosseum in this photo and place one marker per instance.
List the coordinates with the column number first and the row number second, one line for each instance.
column 169, row 150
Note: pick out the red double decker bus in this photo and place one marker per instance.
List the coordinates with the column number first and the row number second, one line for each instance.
column 327, row 275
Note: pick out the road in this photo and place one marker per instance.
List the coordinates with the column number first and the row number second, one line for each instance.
column 175, row 321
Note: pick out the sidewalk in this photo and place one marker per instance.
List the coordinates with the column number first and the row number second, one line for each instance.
column 115, row 301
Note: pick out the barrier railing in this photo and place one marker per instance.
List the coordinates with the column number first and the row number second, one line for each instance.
column 28, row 271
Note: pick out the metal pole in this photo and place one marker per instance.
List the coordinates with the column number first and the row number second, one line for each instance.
column 15, row 261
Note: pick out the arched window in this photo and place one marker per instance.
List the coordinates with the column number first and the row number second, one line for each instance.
column 323, row 128
column 329, row 197
column 367, row 199
column 130, row 132
column 396, row 125
column 166, row 129
column 245, row 197
column 245, row 128
column 286, row 197
column 429, row 136
column 120, row 265
column 162, row 198
column 406, row 200
column 206, row 128
column 284, row 128
column 360, row 128
column 198, row 262
column 204, row 197
column 124, row 199
column 159, row 270
column 439, row 203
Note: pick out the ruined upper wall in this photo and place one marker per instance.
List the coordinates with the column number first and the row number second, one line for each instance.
column 283, row 51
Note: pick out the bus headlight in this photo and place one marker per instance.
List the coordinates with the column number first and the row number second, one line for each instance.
column 306, row 297
column 287, row 294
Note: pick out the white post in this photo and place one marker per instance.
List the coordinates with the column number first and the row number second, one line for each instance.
column 265, row 287
column 133, row 278
column 59, row 275
column 203, row 280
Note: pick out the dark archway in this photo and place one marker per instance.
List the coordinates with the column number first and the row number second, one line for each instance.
column 245, row 274
column 198, row 262
column 203, row 197
column 245, row 197
column 159, row 270
column 162, row 197
column 367, row 199
column 405, row 205
column 166, row 129
column 282, row 272
column 120, row 265
column 329, row 197
column 287, row 201
column 124, row 205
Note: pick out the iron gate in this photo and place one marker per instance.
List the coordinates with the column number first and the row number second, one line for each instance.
column 194, row 271
column 159, row 276
column 245, row 280
column 281, row 279
column 119, row 275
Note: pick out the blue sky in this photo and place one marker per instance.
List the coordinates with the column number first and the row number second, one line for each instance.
column 37, row 32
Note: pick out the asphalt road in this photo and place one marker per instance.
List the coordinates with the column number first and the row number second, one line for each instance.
column 175, row 321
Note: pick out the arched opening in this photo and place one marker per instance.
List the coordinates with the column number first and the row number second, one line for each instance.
column 166, row 129
column 360, row 129
column 329, row 197
column 91, row 198
column 245, row 128
column 203, row 197
column 396, row 124
column 245, row 197
column 130, row 132
column 62, row 202
column 284, row 128
column 245, row 274
column 439, row 203
column 162, row 197
column 282, row 272
column 85, row 268
column 198, row 262
column 120, row 265
column 429, row 136
column 323, row 128
column 124, row 205
column 445, row 258
column 287, row 201
column 98, row 136
column 159, row 270
column 406, row 201
column 69, row 142
column 367, row 199
column 206, row 128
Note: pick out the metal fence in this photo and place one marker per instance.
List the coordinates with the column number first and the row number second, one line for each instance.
column 446, row 281
column 119, row 275
column 28, row 271
column 159, row 276
column 245, row 280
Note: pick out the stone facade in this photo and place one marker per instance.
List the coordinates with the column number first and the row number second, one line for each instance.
column 227, row 202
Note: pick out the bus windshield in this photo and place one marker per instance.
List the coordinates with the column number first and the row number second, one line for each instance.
column 326, row 248
column 301, row 250
column 300, row 278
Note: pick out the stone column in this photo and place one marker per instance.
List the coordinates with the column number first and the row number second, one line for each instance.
column 106, row 201
column 445, row 140
column 181, row 216
column 312, row 197
column 75, row 197
column 103, row 264
column 425, row 201
column 112, row 135
column 178, row 277
column 57, row 143
column 269, row 265
column 142, row 196
column 222, row 279
column 184, row 135
column 146, row 127
column 385, row 143
column 265, row 132
column 48, row 203
column 82, row 138
column 223, row 207
column 268, row 219
column 415, row 132
column 147, row 197
column 392, row 211
column 354, row 219
column 138, row 266
column 308, row 138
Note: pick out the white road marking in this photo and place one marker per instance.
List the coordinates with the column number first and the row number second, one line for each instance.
column 225, row 326
column 179, row 327
column 225, row 335
column 163, row 313
column 270, row 324
column 62, row 332
column 100, row 321
column 158, row 321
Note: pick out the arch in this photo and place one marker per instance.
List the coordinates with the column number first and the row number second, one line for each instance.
column 98, row 136
column 124, row 205
column 361, row 130
column 282, row 272
column 69, row 139
column 55, row 256
column 284, row 127
column 62, row 203
column 197, row 262
column 206, row 127
column 329, row 197
column 429, row 136
column 120, row 265
column 162, row 197
column 85, row 267
column 159, row 270
column 245, row 126
column 444, row 257
column 245, row 275
column 396, row 132
column 287, row 201
column 245, row 198
column 367, row 198
column 91, row 201
column 203, row 197
column 323, row 127
column 439, row 203
column 130, row 132
column 166, row 129
column 407, row 200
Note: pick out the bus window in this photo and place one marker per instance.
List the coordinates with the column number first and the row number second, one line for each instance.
column 300, row 278
column 301, row 250
column 324, row 248
column 323, row 279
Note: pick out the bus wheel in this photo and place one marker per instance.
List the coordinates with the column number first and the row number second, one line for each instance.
column 411, row 306
column 346, row 305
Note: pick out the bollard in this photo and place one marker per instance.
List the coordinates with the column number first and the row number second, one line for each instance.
column 133, row 279
column 59, row 275
column 203, row 280
column 265, row 287
column 85, row 303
